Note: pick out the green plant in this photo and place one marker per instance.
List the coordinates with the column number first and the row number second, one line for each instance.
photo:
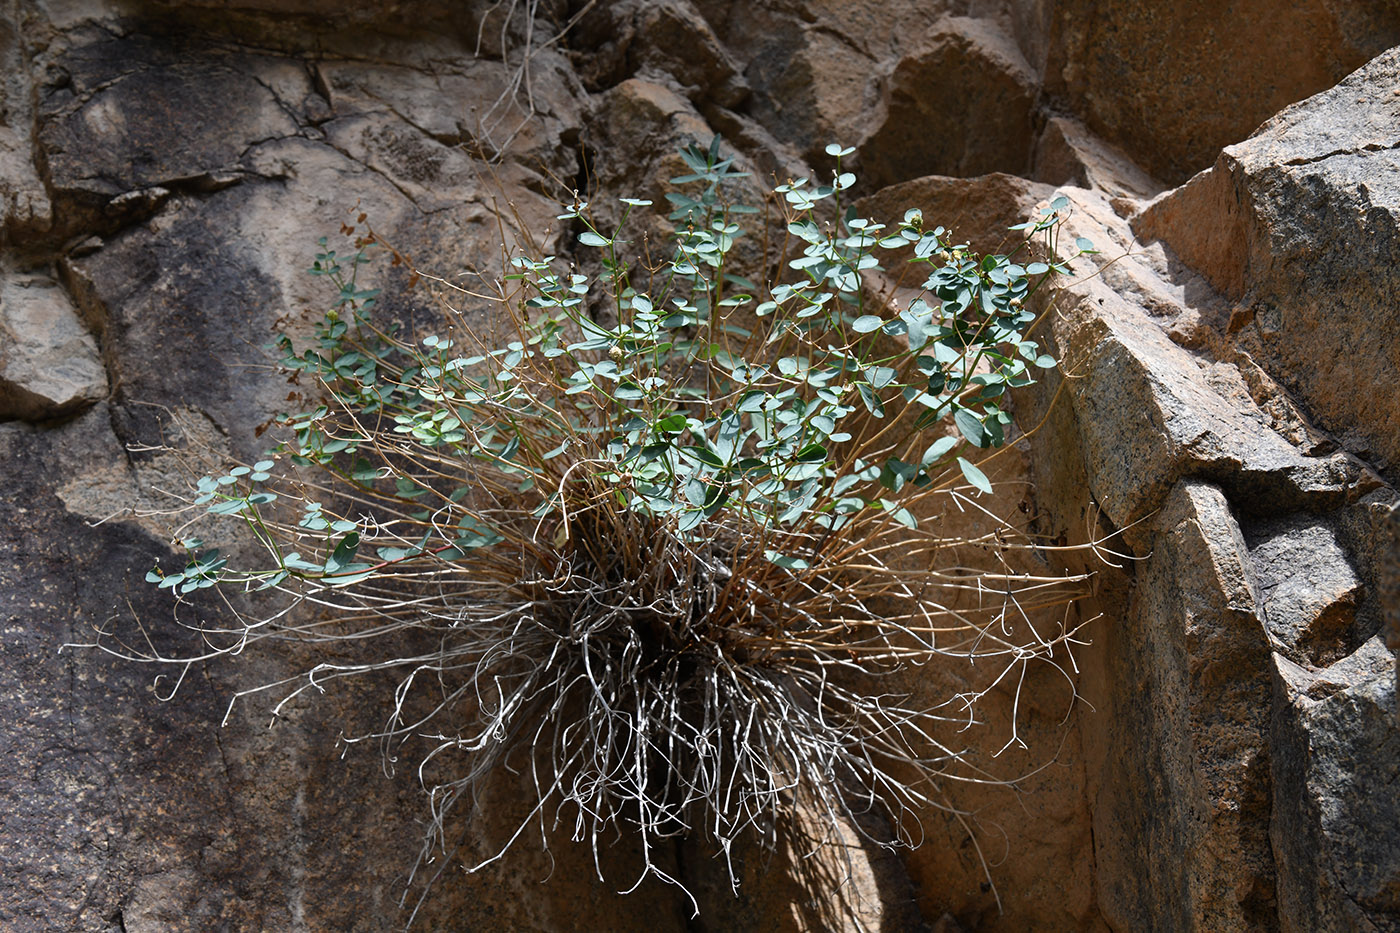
column 667, row 531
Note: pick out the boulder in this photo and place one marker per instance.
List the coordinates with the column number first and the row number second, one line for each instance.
column 669, row 40
column 1336, row 752
column 1172, row 83
column 1308, row 589
column 49, row 362
column 1299, row 226
column 959, row 103
column 814, row 69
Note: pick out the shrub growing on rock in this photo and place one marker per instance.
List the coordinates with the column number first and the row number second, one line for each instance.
column 662, row 543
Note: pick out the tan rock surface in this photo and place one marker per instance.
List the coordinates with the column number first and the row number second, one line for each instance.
column 1172, row 83
column 1296, row 225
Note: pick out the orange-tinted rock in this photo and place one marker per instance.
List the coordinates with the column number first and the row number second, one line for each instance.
column 1300, row 226
column 960, row 103
column 1172, row 83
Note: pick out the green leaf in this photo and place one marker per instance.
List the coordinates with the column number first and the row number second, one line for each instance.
column 974, row 476
column 971, row 427
column 294, row 561
column 881, row 376
column 352, row 574
column 344, row 553
column 589, row 238
column 274, row 580
column 899, row 513
column 866, row 323
column 896, row 473
column 786, row 562
column 707, row 457
column 753, row 400
column 673, row 423
column 871, row 400
column 938, row 450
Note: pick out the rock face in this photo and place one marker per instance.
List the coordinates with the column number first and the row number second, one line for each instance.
column 48, row 360
column 1225, row 426
column 1315, row 287
column 1227, row 71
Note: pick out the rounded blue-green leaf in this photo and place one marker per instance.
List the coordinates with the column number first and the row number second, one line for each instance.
column 974, row 476
column 866, row 323
column 783, row 560
column 970, row 426
column 673, row 423
column 938, row 450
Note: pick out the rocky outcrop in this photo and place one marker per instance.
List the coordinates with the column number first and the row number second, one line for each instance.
column 1226, row 71
column 1297, row 226
column 1224, row 425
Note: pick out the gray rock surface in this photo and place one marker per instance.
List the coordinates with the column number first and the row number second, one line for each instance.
column 1227, row 69
column 1336, row 766
column 49, row 364
column 1308, row 590
column 1181, row 805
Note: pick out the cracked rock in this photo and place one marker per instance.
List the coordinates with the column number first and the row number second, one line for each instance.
column 49, row 364
column 1300, row 224
column 142, row 121
column 1336, row 770
column 1309, row 589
